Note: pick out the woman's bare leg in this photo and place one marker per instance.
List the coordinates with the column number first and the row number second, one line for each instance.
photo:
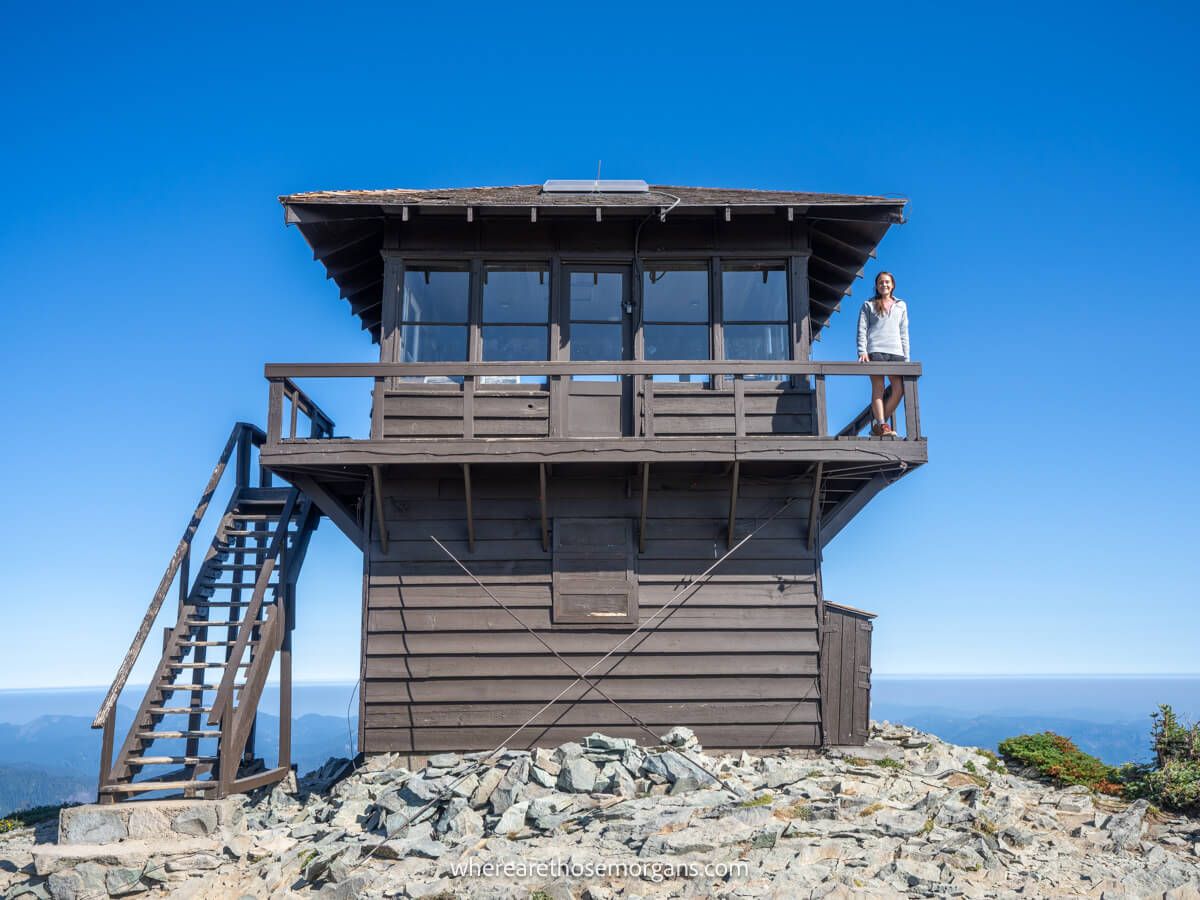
column 877, row 398
column 893, row 401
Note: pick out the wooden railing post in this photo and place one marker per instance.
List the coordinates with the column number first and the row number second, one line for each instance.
column 648, row 407
column 556, row 410
column 377, row 409
column 912, row 410
column 468, row 406
column 739, row 419
column 275, row 411
column 106, row 752
column 819, row 409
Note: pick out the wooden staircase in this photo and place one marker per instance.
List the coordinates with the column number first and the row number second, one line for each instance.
column 194, row 729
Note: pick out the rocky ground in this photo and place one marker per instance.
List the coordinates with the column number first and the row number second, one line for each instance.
column 906, row 815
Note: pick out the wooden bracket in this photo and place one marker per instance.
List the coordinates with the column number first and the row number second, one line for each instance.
column 733, row 496
column 645, row 506
column 470, row 508
column 814, row 508
column 377, row 487
column 543, row 502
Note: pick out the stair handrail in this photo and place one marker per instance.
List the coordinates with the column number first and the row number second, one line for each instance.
column 241, row 431
column 224, row 697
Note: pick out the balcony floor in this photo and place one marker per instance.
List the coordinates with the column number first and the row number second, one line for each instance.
column 299, row 453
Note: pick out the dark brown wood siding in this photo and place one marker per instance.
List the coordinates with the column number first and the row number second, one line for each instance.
column 846, row 675
column 447, row 669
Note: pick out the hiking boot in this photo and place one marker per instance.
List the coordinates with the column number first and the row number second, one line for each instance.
column 877, row 429
column 888, row 430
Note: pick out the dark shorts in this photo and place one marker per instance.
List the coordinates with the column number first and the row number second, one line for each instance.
column 885, row 357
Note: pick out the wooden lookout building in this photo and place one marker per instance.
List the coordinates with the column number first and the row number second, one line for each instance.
column 598, row 444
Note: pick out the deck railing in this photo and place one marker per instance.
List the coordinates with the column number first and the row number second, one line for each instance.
column 479, row 400
column 242, row 440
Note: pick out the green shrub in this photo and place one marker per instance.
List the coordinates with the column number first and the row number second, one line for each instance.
column 1173, row 782
column 888, row 763
column 25, row 818
column 1059, row 759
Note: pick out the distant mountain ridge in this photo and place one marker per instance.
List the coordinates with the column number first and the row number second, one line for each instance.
column 54, row 759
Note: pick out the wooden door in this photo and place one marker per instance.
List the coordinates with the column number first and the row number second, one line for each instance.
column 599, row 327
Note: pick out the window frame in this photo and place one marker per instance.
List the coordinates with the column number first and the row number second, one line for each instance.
column 398, row 265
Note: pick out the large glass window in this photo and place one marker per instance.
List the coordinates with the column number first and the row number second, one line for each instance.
column 515, row 317
column 675, row 315
column 599, row 328
column 754, row 299
column 433, row 314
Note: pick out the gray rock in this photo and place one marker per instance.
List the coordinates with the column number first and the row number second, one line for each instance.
column 614, row 778
column 444, row 760
column 487, row 784
column 543, row 777
column 544, row 760
column 567, row 751
column 426, row 849
column 92, row 825
column 418, row 790
column 192, row 862
column 1125, row 828
column 122, row 882
column 67, row 885
column 900, row 823
column 683, row 774
column 511, row 787
column 466, row 787
column 513, row 818
column 918, row 874
column 679, row 736
column 547, row 812
column 578, row 775
column 598, row 741
column 458, row 821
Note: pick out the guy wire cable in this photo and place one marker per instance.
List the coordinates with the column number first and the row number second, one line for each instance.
column 410, row 819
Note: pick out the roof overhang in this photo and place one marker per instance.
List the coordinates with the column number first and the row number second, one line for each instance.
column 345, row 229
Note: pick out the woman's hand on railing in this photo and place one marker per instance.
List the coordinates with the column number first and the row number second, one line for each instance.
column 862, row 357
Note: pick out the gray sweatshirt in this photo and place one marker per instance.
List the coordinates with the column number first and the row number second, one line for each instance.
column 883, row 334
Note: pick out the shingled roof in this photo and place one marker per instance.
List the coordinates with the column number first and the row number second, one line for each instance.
column 346, row 228
column 528, row 195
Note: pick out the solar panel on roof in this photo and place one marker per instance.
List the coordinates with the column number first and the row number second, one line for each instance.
column 592, row 185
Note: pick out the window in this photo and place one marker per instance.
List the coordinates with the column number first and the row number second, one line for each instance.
column 675, row 315
column 754, row 300
column 515, row 316
column 433, row 314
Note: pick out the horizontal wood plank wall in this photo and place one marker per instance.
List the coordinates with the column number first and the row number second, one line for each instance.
column 436, row 410
column 691, row 410
column 447, row 669
column 678, row 410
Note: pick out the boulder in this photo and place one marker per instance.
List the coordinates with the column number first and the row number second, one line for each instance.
column 577, row 775
column 511, row 786
column 513, row 818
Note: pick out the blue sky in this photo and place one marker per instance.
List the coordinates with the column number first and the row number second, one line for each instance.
column 1049, row 153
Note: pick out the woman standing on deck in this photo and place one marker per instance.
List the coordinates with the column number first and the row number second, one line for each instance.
column 883, row 337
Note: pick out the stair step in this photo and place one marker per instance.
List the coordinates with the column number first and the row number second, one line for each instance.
column 210, row 643
column 172, row 735
column 205, row 665
column 168, row 760
column 195, row 688
column 245, row 585
column 225, row 623
column 229, row 603
column 177, row 710
column 236, row 567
